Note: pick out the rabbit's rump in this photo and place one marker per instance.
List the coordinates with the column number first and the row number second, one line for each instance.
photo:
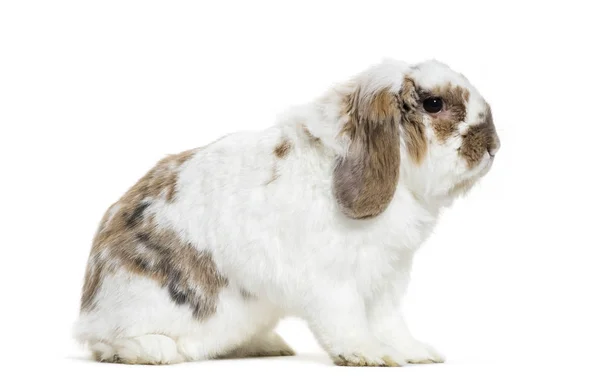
column 136, row 322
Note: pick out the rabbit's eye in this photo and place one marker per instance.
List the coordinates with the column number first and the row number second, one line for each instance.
column 433, row 104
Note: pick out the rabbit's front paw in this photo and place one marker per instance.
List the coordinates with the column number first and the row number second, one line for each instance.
column 417, row 352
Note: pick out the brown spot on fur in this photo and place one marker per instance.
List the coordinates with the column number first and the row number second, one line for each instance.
column 412, row 121
column 479, row 139
column 445, row 123
column 282, row 149
column 131, row 239
column 365, row 180
column 312, row 138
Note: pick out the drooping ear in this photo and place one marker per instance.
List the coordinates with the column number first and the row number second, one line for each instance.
column 365, row 179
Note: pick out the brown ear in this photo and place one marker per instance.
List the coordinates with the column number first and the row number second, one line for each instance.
column 364, row 181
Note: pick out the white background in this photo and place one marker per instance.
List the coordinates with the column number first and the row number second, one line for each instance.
column 92, row 94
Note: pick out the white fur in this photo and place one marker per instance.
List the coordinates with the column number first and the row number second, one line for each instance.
column 287, row 244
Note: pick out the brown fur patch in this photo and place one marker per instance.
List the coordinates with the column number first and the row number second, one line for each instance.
column 479, row 139
column 365, row 180
column 412, row 121
column 91, row 284
column 130, row 239
column 445, row 123
column 312, row 138
column 283, row 148
column 160, row 180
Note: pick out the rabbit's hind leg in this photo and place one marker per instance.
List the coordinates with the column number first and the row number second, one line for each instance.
column 265, row 344
column 144, row 349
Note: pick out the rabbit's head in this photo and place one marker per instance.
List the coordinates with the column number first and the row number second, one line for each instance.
column 423, row 126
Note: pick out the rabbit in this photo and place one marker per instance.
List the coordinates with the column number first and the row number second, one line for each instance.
column 317, row 217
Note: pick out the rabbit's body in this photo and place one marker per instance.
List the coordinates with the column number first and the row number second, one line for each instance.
column 203, row 256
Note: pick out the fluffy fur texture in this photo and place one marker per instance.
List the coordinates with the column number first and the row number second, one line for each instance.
column 317, row 217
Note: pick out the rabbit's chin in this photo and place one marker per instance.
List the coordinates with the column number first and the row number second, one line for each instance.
column 465, row 184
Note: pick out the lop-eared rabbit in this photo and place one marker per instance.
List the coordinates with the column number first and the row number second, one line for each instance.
column 317, row 217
